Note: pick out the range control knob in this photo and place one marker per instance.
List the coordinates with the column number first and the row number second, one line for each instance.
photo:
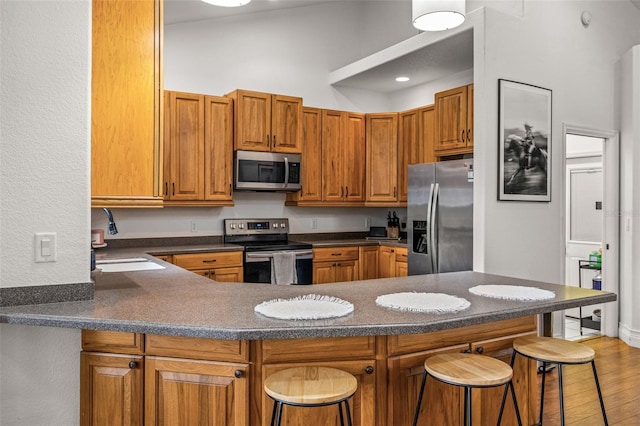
column 283, row 225
column 274, row 226
column 241, row 225
column 232, row 226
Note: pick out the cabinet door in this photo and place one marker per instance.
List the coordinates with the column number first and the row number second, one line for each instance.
column 252, row 120
column 346, row 270
column 402, row 269
column 362, row 404
column 386, row 262
column 324, row 272
column 332, row 142
column 286, row 124
column 184, row 146
column 368, row 262
column 451, row 119
column 427, row 135
column 126, row 104
column 311, row 177
column 409, row 148
column 353, row 157
column 191, row 392
column 441, row 405
column 382, row 157
column 227, row 275
column 218, row 148
column 111, row 389
column 524, row 375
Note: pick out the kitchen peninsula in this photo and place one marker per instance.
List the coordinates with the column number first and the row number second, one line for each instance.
column 161, row 334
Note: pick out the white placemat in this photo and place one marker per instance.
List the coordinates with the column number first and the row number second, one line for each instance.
column 512, row 292
column 423, row 302
column 307, row 307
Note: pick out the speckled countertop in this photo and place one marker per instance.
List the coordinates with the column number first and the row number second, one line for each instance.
column 176, row 302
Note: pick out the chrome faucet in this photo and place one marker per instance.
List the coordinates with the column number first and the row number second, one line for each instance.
column 112, row 224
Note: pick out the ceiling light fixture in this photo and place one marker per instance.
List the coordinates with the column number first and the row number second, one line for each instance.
column 437, row 15
column 402, row 79
column 227, row 3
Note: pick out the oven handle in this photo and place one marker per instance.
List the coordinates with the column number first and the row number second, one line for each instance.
column 261, row 257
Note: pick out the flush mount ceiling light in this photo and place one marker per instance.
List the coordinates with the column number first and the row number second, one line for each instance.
column 402, row 79
column 437, row 15
column 227, row 3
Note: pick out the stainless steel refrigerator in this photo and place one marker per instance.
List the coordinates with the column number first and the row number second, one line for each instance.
column 440, row 217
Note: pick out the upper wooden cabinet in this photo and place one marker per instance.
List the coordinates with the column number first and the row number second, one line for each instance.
column 454, row 121
column 126, row 107
column 198, row 153
column 343, row 156
column 382, row 157
column 266, row 122
column 311, row 177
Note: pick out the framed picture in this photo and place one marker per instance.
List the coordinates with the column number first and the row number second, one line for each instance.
column 525, row 142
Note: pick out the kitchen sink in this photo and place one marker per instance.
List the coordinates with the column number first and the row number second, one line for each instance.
column 129, row 264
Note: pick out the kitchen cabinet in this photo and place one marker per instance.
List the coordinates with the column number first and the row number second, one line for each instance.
column 198, row 154
column 219, row 266
column 267, row 122
column 343, row 157
column 444, row 403
column 335, row 264
column 126, row 107
column 392, row 262
column 172, row 380
column 311, row 178
column 454, row 121
column 382, row 157
column 368, row 259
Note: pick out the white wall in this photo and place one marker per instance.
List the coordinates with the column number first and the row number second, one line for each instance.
column 44, row 169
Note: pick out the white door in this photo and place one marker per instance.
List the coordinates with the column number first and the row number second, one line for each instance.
column 591, row 200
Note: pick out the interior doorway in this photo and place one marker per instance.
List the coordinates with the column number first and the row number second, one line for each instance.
column 591, row 193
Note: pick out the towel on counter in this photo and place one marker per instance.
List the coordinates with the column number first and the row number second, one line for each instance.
column 283, row 268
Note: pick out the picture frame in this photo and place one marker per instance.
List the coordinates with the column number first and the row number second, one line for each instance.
column 524, row 132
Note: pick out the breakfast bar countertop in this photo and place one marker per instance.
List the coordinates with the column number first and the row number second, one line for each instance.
column 173, row 301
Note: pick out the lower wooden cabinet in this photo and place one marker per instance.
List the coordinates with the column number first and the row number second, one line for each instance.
column 193, row 381
column 336, row 264
column 111, row 389
column 368, row 262
column 220, row 266
column 402, row 264
column 392, row 262
column 194, row 392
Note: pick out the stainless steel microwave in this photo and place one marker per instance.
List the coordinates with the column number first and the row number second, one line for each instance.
column 266, row 171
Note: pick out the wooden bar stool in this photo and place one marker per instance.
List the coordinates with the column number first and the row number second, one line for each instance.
column 468, row 371
column 560, row 352
column 310, row 387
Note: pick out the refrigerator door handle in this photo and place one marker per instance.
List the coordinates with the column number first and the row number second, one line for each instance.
column 432, row 229
column 427, row 230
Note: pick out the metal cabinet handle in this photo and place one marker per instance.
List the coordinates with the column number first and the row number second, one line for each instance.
column 395, row 191
column 230, row 189
column 133, row 365
column 336, row 254
column 466, row 351
column 462, row 136
column 210, row 261
column 238, row 373
column 346, row 193
column 166, row 188
column 269, row 141
column 368, row 369
column 342, row 192
column 468, row 135
column 274, row 140
column 479, row 349
column 173, row 188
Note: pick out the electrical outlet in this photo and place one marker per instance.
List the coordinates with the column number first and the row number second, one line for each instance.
column 194, row 227
column 314, row 223
column 45, row 247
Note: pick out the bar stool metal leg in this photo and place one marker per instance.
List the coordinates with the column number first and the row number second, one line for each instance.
column 595, row 376
column 273, row 414
column 346, row 405
column 544, row 377
column 340, row 411
column 561, row 394
column 417, row 414
column 467, row 405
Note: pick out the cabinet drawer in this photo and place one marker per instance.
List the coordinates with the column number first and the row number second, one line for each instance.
column 316, row 349
column 401, row 254
column 112, row 341
column 197, row 348
column 335, row 253
column 208, row 260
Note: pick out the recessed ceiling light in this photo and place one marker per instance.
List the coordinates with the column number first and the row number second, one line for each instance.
column 227, row 3
column 402, row 79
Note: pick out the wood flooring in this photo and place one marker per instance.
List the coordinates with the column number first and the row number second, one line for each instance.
column 618, row 368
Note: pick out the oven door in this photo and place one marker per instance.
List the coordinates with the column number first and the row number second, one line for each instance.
column 257, row 267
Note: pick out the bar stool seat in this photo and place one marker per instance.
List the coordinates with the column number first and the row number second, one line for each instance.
column 468, row 371
column 549, row 350
column 310, row 386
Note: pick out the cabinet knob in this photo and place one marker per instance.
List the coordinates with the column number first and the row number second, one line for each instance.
column 238, row 373
column 368, row 369
column 466, row 351
column 479, row 349
column 133, row 365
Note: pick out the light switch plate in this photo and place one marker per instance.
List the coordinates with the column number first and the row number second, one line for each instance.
column 45, row 247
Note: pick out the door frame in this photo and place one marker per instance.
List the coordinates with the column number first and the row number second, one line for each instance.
column 611, row 223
